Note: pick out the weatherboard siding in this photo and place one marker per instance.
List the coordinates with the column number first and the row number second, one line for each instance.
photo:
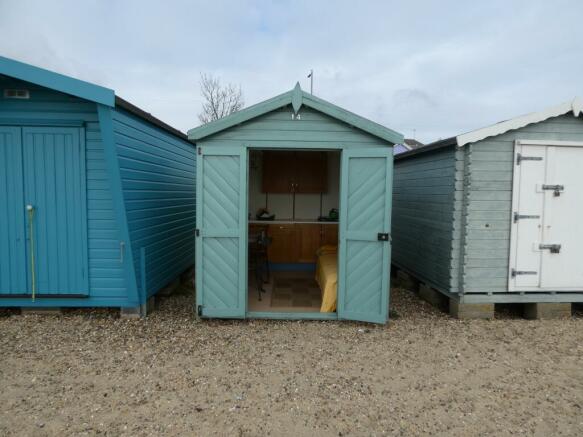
column 489, row 201
column 158, row 180
column 423, row 209
column 277, row 129
column 106, row 283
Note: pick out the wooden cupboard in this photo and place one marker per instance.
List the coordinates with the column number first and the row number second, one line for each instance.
column 309, row 239
column 310, row 173
column 298, row 242
column 329, row 234
column 278, row 172
column 294, row 172
column 283, row 247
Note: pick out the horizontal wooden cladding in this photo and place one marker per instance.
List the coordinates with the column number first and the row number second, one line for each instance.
column 278, row 129
column 106, row 277
column 423, row 183
column 297, row 135
column 158, row 181
column 422, row 216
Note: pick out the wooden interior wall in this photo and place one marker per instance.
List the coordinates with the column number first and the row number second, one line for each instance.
column 307, row 206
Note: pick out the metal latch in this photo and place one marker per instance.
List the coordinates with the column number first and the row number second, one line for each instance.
column 521, row 216
column 382, row 236
column 515, row 272
column 520, row 157
column 197, row 232
column 554, row 248
column 199, row 310
column 556, row 188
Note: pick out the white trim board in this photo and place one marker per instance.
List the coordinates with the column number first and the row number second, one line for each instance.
column 548, row 143
column 575, row 106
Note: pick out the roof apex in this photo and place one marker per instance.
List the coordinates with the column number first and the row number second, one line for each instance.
column 297, row 98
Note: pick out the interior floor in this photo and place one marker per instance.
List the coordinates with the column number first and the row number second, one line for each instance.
column 286, row 292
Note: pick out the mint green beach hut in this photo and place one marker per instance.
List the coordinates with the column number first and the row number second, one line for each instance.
column 288, row 190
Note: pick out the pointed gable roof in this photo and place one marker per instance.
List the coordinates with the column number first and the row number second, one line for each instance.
column 297, row 98
column 575, row 106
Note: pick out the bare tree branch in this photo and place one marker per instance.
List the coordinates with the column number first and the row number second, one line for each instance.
column 218, row 100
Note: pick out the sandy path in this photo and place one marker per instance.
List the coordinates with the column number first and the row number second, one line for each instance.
column 424, row 374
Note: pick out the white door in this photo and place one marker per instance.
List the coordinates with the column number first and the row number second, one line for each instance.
column 546, row 248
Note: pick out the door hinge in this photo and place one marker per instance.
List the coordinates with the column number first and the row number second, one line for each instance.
column 555, row 188
column 521, row 216
column 515, row 272
column 199, row 150
column 197, row 232
column 199, row 310
column 520, row 157
column 554, row 248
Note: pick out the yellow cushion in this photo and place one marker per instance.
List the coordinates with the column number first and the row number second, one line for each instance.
column 327, row 279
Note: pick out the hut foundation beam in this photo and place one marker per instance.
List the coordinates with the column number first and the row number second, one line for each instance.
column 432, row 296
column 407, row 281
column 461, row 310
column 139, row 311
column 547, row 310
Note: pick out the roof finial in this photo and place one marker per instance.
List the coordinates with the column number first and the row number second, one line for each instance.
column 297, row 98
column 577, row 106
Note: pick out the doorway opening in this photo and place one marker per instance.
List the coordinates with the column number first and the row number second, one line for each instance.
column 293, row 202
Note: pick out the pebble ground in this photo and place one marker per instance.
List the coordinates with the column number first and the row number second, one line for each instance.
column 92, row 373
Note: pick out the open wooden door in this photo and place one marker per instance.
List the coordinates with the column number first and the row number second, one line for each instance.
column 221, row 246
column 365, row 222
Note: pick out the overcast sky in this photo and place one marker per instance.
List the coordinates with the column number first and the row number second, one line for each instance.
column 436, row 68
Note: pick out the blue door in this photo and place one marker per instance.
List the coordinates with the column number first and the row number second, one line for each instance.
column 55, row 209
column 364, row 253
column 43, row 229
column 221, row 248
column 13, row 265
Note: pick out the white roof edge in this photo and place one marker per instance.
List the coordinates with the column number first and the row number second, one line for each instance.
column 575, row 105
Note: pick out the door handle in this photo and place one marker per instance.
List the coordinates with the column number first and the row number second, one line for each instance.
column 30, row 210
column 556, row 189
column 554, row 248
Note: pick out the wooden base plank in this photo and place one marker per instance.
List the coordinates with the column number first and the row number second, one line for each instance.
column 405, row 280
column 41, row 311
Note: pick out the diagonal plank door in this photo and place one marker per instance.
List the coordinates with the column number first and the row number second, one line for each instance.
column 364, row 254
column 221, row 237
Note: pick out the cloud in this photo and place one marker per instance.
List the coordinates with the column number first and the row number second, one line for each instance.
column 433, row 68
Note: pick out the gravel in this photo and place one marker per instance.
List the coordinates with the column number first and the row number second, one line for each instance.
column 90, row 372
